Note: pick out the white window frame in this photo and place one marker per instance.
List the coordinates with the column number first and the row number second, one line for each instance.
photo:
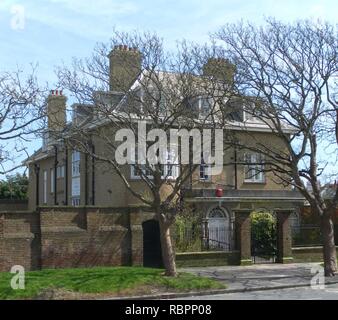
column 76, row 163
column 76, row 159
column 52, row 180
column 204, row 171
column 45, row 177
column 173, row 165
column 60, row 172
column 76, row 201
column 249, row 117
column 172, row 161
column 201, row 111
column 255, row 157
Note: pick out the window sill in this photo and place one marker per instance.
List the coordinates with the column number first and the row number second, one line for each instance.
column 254, row 182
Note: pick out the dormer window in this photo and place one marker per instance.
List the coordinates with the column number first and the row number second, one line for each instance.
column 233, row 110
column 200, row 106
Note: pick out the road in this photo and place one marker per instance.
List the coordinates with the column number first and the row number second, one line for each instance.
column 330, row 292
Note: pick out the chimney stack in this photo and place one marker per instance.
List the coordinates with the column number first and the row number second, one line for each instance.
column 125, row 66
column 56, row 113
column 221, row 69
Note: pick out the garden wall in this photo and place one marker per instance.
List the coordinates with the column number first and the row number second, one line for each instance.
column 60, row 237
column 207, row 258
column 308, row 254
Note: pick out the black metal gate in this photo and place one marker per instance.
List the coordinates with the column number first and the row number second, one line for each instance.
column 263, row 254
column 152, row 254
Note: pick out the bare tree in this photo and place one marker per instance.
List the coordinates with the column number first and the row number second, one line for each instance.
column 287, row 74
column 144, row 83
column 21, row 115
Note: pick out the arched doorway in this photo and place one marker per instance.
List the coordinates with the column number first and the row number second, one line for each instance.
column 152, row 254
column 218, row 229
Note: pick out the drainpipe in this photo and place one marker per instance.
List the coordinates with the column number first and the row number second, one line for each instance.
column 55, row 176
column 37, row 171
column 66, row 176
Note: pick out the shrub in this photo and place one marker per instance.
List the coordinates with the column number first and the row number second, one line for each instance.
column 263, row 234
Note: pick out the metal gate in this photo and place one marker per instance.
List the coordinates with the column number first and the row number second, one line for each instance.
column 219, row 234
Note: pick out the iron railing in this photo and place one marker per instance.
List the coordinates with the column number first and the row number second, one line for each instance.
column 198, row 239
column 306, row 236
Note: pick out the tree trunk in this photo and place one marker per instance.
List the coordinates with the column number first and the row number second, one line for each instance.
column 168, row 254
column 329, row 248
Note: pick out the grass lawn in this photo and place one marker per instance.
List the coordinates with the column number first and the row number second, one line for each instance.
column 100, row 281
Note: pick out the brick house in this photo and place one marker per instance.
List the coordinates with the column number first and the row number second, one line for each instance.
column 60, row 177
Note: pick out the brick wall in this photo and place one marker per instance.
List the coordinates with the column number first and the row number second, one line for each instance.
column 61, row 237
column 19, row 240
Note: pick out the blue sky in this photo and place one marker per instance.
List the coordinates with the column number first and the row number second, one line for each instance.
column 49, row 32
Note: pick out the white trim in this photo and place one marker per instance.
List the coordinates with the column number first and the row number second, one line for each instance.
column 52, row 176
column 45, row 176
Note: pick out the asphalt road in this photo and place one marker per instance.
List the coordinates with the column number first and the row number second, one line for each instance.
column 330, row 292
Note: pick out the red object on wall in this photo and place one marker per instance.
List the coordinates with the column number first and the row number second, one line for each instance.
column 219, row 192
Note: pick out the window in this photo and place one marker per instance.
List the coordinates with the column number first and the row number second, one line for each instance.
column 76, row 182
column 137, row 169
column 60, row 172
column 254, row 168
column 75, row 201
column 204, row 170
column 52, row 180
column 170, row 170
column 75, row 163
column 45, row 186
column 234, row 110
column 204, row 106
column 252, row 113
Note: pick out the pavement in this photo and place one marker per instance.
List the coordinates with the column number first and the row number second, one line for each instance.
column 329, row 292
column 254, row 278
column 262, row 276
